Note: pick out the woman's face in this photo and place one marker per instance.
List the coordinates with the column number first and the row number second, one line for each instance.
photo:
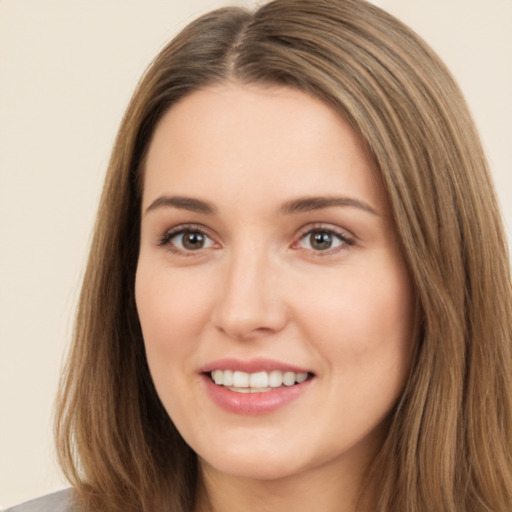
column 267, row 254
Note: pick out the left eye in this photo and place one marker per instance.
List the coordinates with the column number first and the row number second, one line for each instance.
column 322, row 240
column 190, row 240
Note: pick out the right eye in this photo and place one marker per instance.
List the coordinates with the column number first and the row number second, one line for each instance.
column 186, row 239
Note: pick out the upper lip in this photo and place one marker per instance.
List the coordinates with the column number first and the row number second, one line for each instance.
column 252, row 365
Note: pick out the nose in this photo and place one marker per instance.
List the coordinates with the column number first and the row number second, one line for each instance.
column 250, row 303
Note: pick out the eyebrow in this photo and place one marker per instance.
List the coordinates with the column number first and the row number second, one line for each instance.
column 306, row 204
column 182, row 203
column 303, row 204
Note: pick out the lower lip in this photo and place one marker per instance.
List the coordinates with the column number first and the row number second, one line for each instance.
column 254, row 403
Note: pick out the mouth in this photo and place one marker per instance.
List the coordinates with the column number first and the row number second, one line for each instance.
column 257, row 382
column 255, row 386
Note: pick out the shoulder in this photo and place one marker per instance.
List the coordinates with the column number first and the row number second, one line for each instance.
column 61, row 501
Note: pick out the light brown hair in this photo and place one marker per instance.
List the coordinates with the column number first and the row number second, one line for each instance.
column 449, row 446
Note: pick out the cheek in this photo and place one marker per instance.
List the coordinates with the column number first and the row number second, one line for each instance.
column 170, row 311
column 362, row 323
column 170, row 308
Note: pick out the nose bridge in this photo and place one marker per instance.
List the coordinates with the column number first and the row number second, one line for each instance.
column 249, row 302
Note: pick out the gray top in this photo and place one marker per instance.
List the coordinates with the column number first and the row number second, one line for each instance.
column 61, row 501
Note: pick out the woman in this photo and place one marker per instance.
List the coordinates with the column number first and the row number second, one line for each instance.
column 298, row 293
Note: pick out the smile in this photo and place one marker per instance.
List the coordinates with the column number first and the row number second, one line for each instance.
column 258, row 382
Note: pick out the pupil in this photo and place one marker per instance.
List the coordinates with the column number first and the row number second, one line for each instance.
column 193, row 240
column 321, row 240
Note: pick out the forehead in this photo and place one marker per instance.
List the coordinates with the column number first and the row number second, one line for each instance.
column 270, row 139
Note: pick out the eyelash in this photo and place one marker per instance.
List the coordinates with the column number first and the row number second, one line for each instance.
column 165, row 240
column 345, row 241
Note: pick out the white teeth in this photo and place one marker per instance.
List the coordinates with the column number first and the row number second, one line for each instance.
column 257, row 382
column 218, row 377
column 275, row 379
column 240, row 379
column 289, row 378
column 301, row 377
column 250, row 390
column 228, row 377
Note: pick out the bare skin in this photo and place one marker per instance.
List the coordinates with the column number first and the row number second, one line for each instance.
column 266, row 235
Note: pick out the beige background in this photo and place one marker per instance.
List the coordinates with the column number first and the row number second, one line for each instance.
column 67, row 70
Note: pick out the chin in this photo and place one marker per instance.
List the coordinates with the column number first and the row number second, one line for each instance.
column 260, row 464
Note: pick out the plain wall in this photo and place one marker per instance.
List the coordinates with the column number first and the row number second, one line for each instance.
column 67, row 71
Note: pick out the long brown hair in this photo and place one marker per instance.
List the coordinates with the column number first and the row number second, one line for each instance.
column 449, row 446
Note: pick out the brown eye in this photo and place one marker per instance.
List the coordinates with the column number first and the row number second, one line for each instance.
column 193, row 240
column 188, row 240
column 319, row 240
